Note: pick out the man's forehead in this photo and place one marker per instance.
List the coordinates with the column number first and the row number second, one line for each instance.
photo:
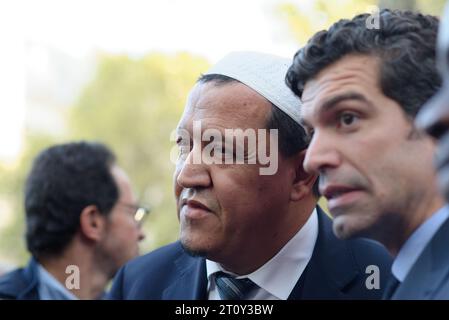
column 311, row 90
column 308, row 112
column 315, row 92
column 352, row 65
column 352, row 72
column 233, row 104
column 231, row 98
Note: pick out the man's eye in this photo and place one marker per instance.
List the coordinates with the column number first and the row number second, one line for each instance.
column 347, row 119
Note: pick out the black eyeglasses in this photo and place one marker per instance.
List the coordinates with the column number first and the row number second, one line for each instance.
column 140, row 212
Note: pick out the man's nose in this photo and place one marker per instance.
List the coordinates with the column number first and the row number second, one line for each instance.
column 321, row 154
column 193, row 172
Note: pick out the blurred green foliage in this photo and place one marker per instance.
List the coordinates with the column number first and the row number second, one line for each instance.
column 132, row 105
column 304, row 21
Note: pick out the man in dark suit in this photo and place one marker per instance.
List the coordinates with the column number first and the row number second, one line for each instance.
column 434, row 118
column 81, row 225
column 361, row 89
column 249, row 225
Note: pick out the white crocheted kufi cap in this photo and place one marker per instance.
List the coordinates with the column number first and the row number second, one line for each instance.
column 265, row 74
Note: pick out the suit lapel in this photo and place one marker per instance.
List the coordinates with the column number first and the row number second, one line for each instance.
column 30, row 291
column 192, row 281
column 331, row 268
column 429, row 270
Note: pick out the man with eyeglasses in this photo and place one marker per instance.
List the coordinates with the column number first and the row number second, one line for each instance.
column 82, row 224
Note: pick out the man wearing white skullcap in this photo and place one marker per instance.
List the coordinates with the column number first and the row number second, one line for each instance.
column 249, row 224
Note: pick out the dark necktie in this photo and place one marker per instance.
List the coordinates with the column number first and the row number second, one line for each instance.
column 390, row 288
column 230, row 288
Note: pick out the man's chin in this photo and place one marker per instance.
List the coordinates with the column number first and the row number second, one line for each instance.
column 344, row 229
column 192, row 251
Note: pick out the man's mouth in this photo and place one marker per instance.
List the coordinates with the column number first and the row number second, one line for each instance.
column 194, row 209
column 340, row 195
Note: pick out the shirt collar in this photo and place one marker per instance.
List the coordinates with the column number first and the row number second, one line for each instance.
column 416, row 243
column 50, row 288
column 280, row 274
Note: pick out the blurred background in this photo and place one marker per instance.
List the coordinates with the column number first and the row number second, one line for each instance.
column 119, row 72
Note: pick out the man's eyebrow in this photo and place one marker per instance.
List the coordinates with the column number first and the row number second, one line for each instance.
column 333, row 101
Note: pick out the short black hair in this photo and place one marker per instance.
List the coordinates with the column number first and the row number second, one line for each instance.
column 405, row 44
column 65, row 179
column 292, row 138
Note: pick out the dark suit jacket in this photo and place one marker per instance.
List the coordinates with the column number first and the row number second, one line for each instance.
column 429, row 276
column 335, row 271
column 21, row 283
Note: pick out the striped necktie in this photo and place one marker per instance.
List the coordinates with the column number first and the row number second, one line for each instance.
column 230, row 288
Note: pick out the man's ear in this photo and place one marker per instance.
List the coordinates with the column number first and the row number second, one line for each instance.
column 303, row 181
column 92, row 223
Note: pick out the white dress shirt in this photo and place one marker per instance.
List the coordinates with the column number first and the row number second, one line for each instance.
column 276, row 278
